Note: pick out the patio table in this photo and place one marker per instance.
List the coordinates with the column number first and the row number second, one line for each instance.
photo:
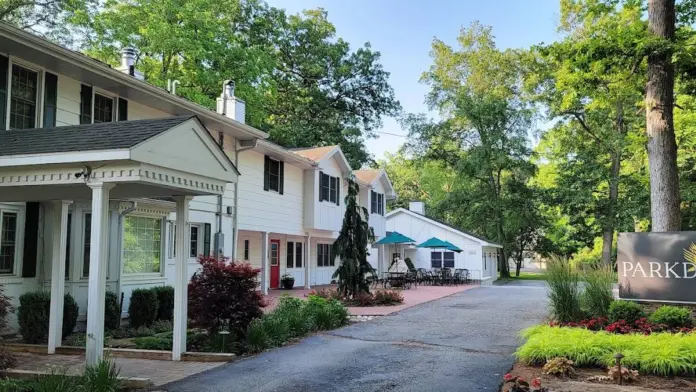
column 395, row 279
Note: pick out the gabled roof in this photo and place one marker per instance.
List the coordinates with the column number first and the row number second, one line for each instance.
column 370, row 176
column 322, row 154
column 88, row 137
column 481, row 240
column 281, row 153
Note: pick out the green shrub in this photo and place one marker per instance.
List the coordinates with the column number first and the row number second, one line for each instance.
column 563, row 290
column 102, row 377
column 153, row 343
column 625, row 310
column 672, row 316
column 257, row 339
column 56, row 382
column 160, row 326
column 34, row 314
column 142, row 309
column 76, row 340
column 165, row 302
column 112, row 311
column 598, row 294
column 9, row 385
column 664, row 354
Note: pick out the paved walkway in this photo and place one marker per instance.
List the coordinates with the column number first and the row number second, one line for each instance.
column 159, row 372
column 412, row 297
column 459, row 343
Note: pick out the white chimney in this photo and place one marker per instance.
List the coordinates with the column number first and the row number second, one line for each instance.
column 230, row 106
column 417, row 206
column 128, row 64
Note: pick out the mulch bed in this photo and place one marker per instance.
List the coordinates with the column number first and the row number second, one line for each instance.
column 686, row 384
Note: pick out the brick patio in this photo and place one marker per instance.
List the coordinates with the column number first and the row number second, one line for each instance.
column 412, row 297
column 159, row 372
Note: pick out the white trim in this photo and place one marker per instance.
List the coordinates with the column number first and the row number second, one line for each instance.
column 65, row 157
column 438, row 224
column 40, row 85
column 20, row 211
column 163, row 259
column 114, row 98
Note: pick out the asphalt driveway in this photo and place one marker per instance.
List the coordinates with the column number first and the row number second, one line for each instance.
column 459, row 343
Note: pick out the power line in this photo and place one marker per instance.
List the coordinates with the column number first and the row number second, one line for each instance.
column 392, row 134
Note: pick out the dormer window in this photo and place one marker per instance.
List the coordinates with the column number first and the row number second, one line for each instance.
column 329, row 188
column 273, row 175
column 377, row 205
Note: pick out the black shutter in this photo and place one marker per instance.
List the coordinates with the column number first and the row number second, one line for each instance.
column 321, row 186
column 206, row 239
column 4, row 63
column 86, row 104
column 31, row 240
column 373, row 202
column 50, row 100
column 122, row 109
column 338, row 191
column 320, row 259
column 281, row 176
column 266, row 173
column 381, row 204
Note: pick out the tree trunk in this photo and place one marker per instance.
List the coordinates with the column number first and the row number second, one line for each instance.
column 503, row 263
column 518, row 266
column 615, row 177
column 659, row 101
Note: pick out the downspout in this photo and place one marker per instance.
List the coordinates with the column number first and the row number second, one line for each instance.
column 218, row 233
column 120, row 244
column 235, row 230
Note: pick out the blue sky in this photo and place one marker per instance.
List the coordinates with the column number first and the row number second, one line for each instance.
column 403, row 32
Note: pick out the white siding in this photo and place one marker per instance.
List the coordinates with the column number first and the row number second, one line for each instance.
column 321, row 275
column 377, row 221
column 326, row 215
column 68, row 103
column 137, row 111
column 269, row 211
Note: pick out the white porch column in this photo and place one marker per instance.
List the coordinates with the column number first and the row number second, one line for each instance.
column 98, row 263
column 60, row 240
column 308, row 262
column 181, row 277
column 264, row 263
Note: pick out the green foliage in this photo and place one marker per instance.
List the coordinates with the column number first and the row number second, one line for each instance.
column 351, row 246
column 598, row 293
column 165, row 302
column 664, row 354
column 34, row 314
column 563, row 290
column 672, row 316
column 102, row 377
column 112, row 311
column 160, row 326
column 76, row 340
column 625, row 310
column 153, row 342
column 292, row 319
column 142, row 309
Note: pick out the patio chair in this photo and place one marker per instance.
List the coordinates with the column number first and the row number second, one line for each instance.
column 422, row 275
column 447, row 277
column 458, row 276
column 372, row 278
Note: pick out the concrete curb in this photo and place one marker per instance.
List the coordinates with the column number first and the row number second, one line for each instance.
column 156, row 355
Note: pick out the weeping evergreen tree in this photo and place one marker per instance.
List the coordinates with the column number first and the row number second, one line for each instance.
column 351, row 246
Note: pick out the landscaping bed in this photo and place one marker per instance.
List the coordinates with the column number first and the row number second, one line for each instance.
column 530, row 372
column 376, row 298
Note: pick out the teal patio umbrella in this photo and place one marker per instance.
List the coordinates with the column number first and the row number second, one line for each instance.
column 395, row 238
column 436, row 243
column 453, row 247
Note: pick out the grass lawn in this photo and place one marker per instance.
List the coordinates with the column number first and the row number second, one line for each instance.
column 528, row 275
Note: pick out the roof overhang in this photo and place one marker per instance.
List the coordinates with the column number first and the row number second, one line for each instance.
column 443, row 226
column 337, row 154
column 54, row 58
column 282, row 154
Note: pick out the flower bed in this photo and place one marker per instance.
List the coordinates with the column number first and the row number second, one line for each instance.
column 664, row 354
column 378, row 298
column 643, row 326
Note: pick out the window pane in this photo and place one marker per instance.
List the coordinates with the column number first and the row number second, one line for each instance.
column 290, row 262
column 325, row 187
column 273, row 182
column 320, row 257
column 449, row 259
column 298, row 254
column 23, row 98
column 8, row 241
column 436, row 260
column 333, row 195
column 142, row 245
column 86, row 245
column 103, row 109
column 330, row 253
column 193, row 252
column 246, row 249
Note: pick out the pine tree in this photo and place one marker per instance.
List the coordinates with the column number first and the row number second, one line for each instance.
column 351, row 246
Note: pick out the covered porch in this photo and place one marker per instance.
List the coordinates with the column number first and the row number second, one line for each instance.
column 162, row 158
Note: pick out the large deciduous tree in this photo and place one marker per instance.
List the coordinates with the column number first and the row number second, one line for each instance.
column 659, row 106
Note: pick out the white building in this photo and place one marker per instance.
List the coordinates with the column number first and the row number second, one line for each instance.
column 478, row 255
column 94, row 198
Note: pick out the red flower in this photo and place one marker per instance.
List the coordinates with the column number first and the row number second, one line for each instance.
column 520, row 379
column 507, row 377
column 536, row 383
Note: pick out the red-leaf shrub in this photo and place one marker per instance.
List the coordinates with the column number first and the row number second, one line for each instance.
column 642, row 325
column 388, row 297
column 223, row 296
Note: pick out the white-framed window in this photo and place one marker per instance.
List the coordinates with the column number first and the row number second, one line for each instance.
column 294, row 254
column 142, row 244
column 377, row 201
column 273, row 174
column 329, row 188
column 196, row 241
column 196, row 245
column 104, row 108
column 436, row 259
column 9, row 241
column 448, row 259
column 24, row 101
column 325, row 255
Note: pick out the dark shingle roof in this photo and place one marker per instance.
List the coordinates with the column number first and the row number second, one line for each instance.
column 89, row 137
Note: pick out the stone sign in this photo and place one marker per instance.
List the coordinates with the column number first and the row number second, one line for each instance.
column 657, row 266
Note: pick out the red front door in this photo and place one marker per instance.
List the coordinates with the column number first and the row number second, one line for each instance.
column 275, row 264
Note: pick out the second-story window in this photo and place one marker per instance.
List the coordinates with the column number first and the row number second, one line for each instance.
column 377, row 200
column 273, row 175
column 329, row 188
column 23, row 98
column 103, row 109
